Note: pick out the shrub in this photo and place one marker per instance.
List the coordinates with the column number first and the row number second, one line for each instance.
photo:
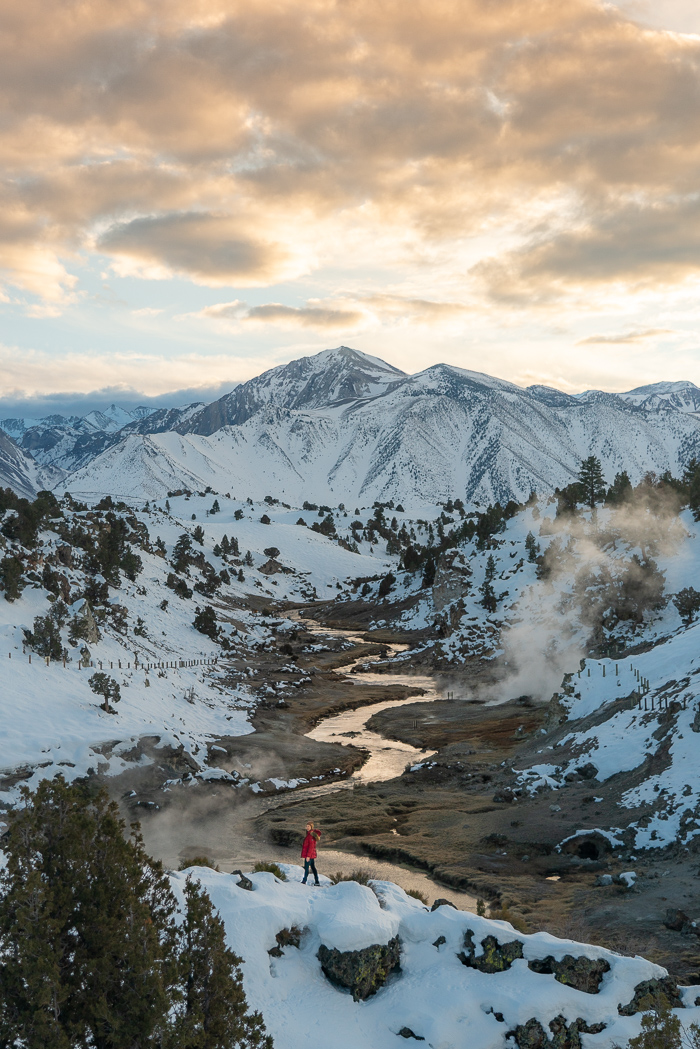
column 270, row 868
column 271, row 551
column 359, row 875
column 417, row 895
column 197, row 861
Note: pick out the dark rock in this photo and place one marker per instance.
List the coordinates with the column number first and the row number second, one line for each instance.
column 496, row 957
column 584, row 974
column 362, row 972
column 243, row 882
column 587, row 771
column 532, row 1035
column 505, row 795
column 406, row 1032
column 653, row 994
column 285, row 938
column 442, row 903
column 678, row 921
column 439, row 942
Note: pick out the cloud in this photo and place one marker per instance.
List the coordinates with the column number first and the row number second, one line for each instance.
column 209, row 248
column 245, row 142
column 304, row 316
column 625, row 337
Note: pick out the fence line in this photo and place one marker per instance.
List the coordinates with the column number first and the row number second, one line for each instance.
column 122, row 664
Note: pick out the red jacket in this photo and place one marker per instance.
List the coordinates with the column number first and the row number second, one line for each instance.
column 308, row 849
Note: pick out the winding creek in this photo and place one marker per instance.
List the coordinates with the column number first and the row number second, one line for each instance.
column 226, row 836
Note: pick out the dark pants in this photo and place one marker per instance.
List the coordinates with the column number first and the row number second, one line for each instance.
column 310, row 865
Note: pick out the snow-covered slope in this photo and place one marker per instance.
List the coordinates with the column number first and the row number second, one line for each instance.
column 434, row 997
column 445, row 432
column 681, row 396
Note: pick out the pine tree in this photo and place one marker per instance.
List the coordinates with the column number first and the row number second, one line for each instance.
column 198, row 534
column 619, row 490
column 532, row 547
column 84, row 927
column 592, row 481
column 213, row 1013
column 90, row 953
column 11, row 581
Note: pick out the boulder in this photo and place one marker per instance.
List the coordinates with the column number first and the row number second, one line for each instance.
column 658, row 994
column 532, row 1035
column 587, row 771
column 362, row 972
column 496, row 957
column 678, row 921
column 584, row 974
column 442, row 903
column 406, row 1032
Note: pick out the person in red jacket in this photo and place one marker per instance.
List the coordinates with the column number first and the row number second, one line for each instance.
column 308, row 852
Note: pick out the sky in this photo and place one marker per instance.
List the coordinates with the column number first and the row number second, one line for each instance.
column 191, row 193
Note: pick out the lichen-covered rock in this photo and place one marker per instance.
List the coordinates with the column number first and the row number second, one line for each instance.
column 496, row 957
column 532, row 1035
column 362, row 972
column 653, row 994
column 584, row 974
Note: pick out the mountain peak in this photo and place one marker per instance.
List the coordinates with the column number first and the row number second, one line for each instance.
column 328, row 378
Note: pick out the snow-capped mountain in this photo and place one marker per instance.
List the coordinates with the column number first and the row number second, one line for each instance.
column 67, row 442
column 329, row 378
column 681, row 396
column 20, row 471
column 658, row 396
column 417, row 439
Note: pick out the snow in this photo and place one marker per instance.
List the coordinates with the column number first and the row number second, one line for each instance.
column 434, row 994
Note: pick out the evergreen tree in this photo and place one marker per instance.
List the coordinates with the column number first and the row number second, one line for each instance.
column 591, row 481
column 90, row 954
column 198, row 534
column 84, row 928
column 691, row 482
column 532, row 547
column 215, row 508
column 386, row 584
column 11, row 581
column 182, row 554
column 687, row 601
column 104, row 685
column 411, row 559
column 213, row 1014
column 428, row 573
column 619, row 490
column 205, row 622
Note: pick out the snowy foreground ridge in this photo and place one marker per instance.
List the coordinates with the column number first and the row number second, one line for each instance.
column 434, row 996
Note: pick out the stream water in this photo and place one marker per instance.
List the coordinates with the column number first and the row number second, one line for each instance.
column 213, row 836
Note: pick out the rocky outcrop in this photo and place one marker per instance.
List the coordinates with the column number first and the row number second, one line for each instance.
column 653, row 994
column 362, row 972
column 584, row 974
column 442, row 903
column 532, row 1035
column 496, row 957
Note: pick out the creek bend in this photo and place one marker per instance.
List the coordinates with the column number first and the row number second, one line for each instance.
column 223, row 828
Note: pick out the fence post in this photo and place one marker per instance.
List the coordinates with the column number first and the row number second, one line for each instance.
column 30, row 657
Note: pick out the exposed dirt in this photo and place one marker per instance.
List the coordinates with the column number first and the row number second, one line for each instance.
column 459, row 818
